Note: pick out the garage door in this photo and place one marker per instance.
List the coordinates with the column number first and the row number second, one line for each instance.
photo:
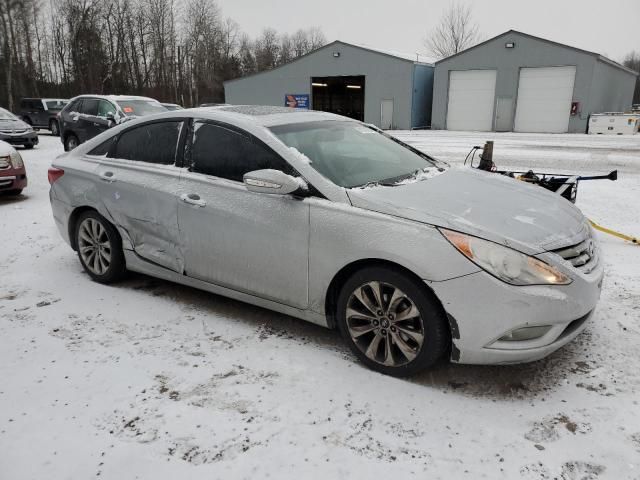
column 471, row 100
column 544, row 99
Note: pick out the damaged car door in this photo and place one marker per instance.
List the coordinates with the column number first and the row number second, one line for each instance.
column 138, row 183
column 250, row 242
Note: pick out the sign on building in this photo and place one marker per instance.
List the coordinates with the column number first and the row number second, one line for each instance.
column 297, row 101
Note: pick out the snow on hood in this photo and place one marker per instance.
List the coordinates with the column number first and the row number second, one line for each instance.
column 483, row 204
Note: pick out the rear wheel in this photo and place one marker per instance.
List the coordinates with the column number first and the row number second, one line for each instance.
column 70, row 142
column 53, row 126
column 99, row 248
column 393, row 324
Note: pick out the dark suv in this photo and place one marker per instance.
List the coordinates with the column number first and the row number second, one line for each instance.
column 89, row 115
column 42, row 112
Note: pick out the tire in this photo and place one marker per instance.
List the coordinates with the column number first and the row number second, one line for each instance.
column 368, row 333
column 28, row 146
column 13, row 193
column 70, row 142
column 106, row 264
column 55, row 129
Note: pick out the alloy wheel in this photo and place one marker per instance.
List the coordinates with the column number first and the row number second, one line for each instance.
column 385, row 324
column 94, row 246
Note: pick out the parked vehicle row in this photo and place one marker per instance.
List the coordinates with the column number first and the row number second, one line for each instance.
column 333, row 221
column 81, row 118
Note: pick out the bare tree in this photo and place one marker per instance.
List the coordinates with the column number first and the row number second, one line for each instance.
column 173, row 50
column 455, row 32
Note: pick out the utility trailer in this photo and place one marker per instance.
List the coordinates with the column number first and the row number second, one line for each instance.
column 614, row 123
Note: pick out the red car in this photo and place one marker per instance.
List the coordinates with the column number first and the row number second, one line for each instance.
column 13, row 175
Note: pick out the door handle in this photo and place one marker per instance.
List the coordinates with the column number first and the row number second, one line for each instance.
column 193, row 199
column 108, row 177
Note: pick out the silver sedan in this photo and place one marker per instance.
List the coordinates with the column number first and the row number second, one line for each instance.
column 333, row 221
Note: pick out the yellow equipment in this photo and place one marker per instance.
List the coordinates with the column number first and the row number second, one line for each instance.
column 608, row 231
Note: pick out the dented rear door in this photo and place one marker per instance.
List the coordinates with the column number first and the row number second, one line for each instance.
column 139, row 185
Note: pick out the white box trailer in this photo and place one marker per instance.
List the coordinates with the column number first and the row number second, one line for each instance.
column 614, row 123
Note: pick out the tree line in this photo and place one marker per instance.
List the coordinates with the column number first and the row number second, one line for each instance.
column 175, row 51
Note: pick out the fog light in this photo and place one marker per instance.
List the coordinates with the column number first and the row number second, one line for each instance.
column 525, row 333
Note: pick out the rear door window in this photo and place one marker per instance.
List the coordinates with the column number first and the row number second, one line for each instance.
column 151, row 143
column 227, row 153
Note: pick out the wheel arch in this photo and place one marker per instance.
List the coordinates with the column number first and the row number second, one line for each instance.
column 331, row 298
column 73, row 222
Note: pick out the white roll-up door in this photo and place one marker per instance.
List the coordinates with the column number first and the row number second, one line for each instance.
column 471, row 100
column 544, row 99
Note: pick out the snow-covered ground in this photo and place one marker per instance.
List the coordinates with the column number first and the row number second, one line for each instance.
column 148, row 379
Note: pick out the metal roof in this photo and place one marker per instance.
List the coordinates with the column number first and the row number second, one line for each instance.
column 415, row 58
column 551, row 42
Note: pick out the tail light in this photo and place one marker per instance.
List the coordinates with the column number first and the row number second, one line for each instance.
column 54, row 174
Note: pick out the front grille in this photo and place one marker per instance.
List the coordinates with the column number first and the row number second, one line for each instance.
column 583, row 255
column 13, row 132
column 4, row 164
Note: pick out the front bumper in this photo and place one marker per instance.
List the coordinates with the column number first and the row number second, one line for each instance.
column 13, row 179
column 28, row 138
column 483, row 309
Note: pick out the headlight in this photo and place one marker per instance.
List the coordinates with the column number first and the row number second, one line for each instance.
column 504, row 263
column 16, row 160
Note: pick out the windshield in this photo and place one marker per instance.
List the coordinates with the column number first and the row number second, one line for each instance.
column 139, row 108
column 351, row 154
column 56, row 104
column 7, row 115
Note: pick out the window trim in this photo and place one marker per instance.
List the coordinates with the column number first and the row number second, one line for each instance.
column 178, row 161
column 234, row 128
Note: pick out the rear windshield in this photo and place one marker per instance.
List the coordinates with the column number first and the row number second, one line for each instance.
column 139, row 108
column 7, row 115
column 56, row 104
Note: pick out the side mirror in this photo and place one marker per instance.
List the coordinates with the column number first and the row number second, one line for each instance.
column 271, row 181
column 111, row 120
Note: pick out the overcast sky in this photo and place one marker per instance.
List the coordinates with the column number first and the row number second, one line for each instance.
column 609, row 27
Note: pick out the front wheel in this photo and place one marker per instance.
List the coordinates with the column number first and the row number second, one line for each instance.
column 99, row 248
column 393, row 324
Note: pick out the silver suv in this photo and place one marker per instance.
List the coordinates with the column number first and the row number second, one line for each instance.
column 333, row 221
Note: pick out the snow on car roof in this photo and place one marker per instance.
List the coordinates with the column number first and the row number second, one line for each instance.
column 268, row 116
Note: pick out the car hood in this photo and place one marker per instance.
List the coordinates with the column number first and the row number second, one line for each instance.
column 6, row 149
column 488, row 205
column 12, row 124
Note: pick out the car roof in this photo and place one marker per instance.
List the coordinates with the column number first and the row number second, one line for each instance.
column 116, row 98
column 268, row 116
